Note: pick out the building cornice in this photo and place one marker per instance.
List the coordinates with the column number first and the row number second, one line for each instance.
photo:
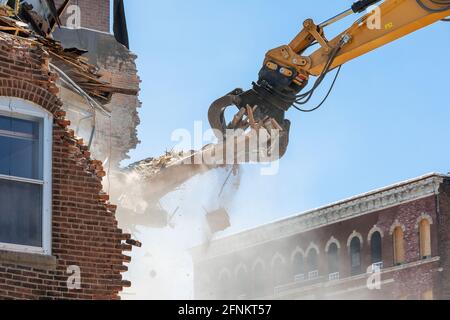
column 364, row 204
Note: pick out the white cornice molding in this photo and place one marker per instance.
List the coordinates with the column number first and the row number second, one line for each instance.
column 367, row 203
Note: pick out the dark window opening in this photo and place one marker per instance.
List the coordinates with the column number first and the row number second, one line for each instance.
column 355, row 256
column 333, row 259
column 376, row 248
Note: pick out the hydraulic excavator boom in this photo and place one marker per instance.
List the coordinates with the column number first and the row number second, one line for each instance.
column 288, row 69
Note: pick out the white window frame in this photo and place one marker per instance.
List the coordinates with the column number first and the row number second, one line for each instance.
column 19, row 108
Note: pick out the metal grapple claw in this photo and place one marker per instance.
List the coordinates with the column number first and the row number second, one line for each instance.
column 251, row 117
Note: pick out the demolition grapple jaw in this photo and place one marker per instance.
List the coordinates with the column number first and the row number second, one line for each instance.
column 253, row 113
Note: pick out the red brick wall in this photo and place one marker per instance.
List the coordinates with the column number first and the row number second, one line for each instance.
column 95, row 14
column 444, row 239
column 411, row 282
column 85, row 231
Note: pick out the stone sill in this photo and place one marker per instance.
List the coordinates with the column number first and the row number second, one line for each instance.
column 37, row 261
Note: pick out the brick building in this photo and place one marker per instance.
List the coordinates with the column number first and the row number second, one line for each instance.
column 59, row 236
column 391, row 243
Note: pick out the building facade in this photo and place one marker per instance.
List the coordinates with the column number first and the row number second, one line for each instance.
column 59, row 236
column 391, row 243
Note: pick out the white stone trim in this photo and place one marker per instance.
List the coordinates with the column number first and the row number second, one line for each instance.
column 355, row 235
column 423, row 216
column 312, row 246
column 374, row 201
column 395, row 225
column 297, row 251
column 374, row 229
column 258, row 261
column 330, row 242
column 277, row 256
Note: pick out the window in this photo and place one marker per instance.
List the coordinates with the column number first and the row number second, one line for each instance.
column 425, row 239
column 376, row 248
column 225, row 285
column 25, row 177
column 278, row 271
column 298, row 267
column 399, row 248
column 355, row 256
column 313, row 264
column 242, row 283
column 258, row 280
column 333, row 259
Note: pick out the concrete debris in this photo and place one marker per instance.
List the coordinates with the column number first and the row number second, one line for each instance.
column 218, row 220
column 166, row 173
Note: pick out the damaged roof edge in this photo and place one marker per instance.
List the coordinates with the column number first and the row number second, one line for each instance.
column 67, row 61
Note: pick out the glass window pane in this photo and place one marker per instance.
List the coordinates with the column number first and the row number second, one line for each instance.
column 5, row 158
column 26, row 128
column 5, row 123
column 20, row 148
column 376, row 248
column 25, row 159
column 20, row 213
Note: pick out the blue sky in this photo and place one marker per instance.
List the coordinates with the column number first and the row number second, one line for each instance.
column 387, row 119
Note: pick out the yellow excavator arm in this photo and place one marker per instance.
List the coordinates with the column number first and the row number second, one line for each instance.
column 287, row 69
column 390, row 21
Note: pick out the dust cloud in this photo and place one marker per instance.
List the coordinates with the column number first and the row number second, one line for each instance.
column 168, row 218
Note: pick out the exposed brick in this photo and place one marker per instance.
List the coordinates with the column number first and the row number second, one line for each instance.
column 85, row 231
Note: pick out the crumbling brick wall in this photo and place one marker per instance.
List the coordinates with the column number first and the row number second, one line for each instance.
column 85, row 231
column 115, row 136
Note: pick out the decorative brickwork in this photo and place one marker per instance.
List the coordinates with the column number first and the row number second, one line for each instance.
column 403, row 204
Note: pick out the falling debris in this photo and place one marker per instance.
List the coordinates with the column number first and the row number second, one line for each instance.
column 167, row 173
column 218, row 220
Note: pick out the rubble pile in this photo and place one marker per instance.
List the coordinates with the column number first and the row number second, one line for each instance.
column 25, row 22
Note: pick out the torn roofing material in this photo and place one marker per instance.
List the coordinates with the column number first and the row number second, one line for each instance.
column 22, row 20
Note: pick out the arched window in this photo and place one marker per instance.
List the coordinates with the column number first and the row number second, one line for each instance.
column 355, row 256
column 242, row 283
column 225, row 285
column 298, row 267
column 333, row 259
column 259, row 280
column 425, row 239
column 399, row 246
column 278, row 271
column 376, row 248
column 313, row 264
